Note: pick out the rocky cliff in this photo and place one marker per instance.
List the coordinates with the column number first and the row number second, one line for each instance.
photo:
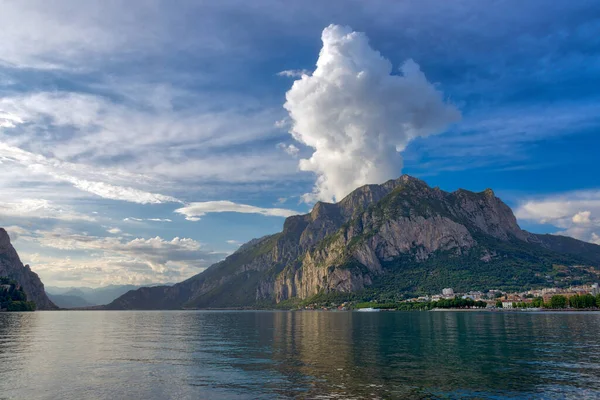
column 400, row 236
column 12, row 267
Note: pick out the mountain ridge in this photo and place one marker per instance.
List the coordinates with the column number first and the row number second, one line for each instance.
column 12, row 267
column 374, row 234
column 76, row 297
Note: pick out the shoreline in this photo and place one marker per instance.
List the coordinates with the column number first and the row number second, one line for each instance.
column 514, row 310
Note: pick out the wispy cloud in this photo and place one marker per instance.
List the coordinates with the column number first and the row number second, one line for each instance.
column 147, row 219
column 194, row 211
column 41, row 208
column 290, row 149
column 294, row 73
column 63, row 171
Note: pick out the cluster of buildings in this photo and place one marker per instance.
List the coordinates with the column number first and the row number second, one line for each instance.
column 492, row 296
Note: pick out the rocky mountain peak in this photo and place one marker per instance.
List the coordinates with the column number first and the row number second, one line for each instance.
column 489, row 192
column 4, row 240
column 359, row 199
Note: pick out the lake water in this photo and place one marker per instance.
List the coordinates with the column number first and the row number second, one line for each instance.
column 337, row 355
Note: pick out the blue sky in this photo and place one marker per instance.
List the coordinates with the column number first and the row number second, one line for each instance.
column 116, row 114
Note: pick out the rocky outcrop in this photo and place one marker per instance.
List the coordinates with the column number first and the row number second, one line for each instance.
column 345, row 247
column 12, row 267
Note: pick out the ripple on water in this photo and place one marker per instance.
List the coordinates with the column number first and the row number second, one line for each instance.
column 248, row 355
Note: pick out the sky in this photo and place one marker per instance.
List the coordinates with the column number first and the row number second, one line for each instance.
column 142, row 141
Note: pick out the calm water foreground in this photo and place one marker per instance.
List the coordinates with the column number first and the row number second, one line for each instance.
column 345, row 355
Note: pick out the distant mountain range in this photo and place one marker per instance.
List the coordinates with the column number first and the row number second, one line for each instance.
column 381, row 242
column 74, row 297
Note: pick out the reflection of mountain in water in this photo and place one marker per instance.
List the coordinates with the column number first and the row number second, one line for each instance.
column 417, row 355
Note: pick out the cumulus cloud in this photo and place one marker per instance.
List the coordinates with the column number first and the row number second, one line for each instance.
column 576, row 213
column 357, row 116
column 194, row 211
column 582, row 217
column 113, row 231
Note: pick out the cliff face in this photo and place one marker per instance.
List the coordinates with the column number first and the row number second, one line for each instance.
column 12, row 267
column 401, row 217
column 377, row 232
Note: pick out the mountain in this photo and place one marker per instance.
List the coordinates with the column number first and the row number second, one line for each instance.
column 382, row 241
column 68, row 301
column 12, row 267
column 89, row 296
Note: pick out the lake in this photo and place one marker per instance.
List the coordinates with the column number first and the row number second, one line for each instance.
column 327, row 355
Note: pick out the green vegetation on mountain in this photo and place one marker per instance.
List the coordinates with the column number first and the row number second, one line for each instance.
column 13, row 297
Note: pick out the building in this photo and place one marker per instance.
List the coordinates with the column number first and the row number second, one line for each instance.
column 4, row 288
column 475, row 295
column 507, row 304
column 448, row 292
column 595, row 289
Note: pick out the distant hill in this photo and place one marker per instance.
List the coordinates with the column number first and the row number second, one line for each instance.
column 382, row 242
column 68, row 301
column 73, row 297
column 12, row 267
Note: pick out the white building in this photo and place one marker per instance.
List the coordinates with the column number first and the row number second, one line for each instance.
column 595, row 289
column 448, row 292
column 507, row 304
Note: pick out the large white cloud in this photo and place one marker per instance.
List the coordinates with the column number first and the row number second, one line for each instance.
column 194, row 211
column 577, row 214
column 357, row 116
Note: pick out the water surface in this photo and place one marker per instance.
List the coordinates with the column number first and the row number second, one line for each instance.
column 345, row 355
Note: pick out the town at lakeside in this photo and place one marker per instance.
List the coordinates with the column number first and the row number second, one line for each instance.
column 584, row 297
